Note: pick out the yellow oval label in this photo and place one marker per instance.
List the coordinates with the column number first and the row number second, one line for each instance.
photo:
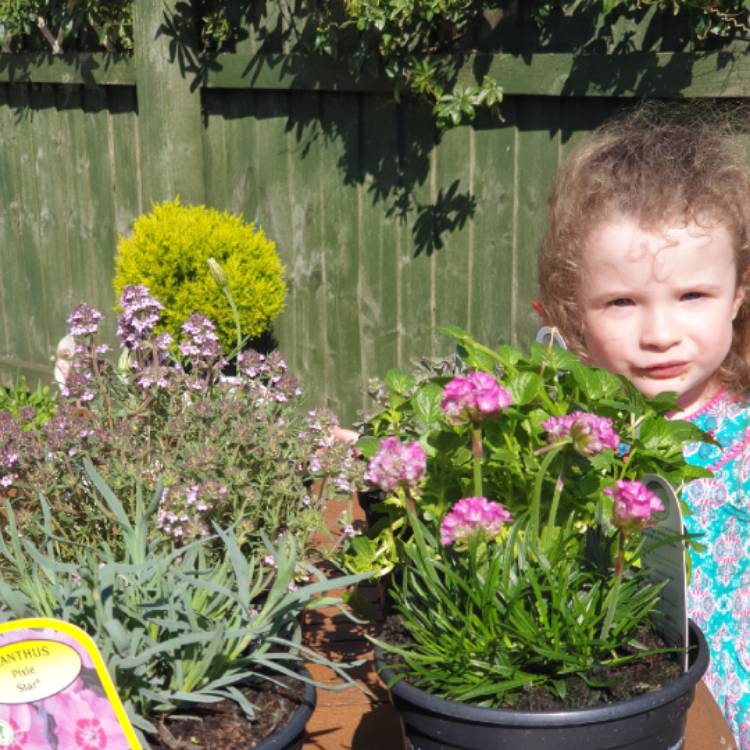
column 36, row 669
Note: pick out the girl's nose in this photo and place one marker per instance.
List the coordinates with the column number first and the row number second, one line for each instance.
column 659, row 330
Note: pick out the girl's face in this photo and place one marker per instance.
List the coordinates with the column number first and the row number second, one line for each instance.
column 658, row 306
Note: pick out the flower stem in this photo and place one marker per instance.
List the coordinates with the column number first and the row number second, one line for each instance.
column 559, row 484
column 536, row 500
column 321, row 489
column 411, row 506
column 615, row 591
column 236, row 316
column 477, row 452
column 626, row 461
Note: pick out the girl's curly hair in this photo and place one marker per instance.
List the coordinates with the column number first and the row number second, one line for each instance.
column 659, row 164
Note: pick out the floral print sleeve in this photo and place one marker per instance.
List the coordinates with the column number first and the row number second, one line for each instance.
column 719, row 590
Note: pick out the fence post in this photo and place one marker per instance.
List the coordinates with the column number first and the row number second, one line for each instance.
column 166, row 39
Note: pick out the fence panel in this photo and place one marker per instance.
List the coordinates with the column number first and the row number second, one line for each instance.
column 388, row 228
column 69, row 167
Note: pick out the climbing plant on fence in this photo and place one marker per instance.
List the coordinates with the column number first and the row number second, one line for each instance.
column 413, row 42
column 45, row 24
column 408, row 38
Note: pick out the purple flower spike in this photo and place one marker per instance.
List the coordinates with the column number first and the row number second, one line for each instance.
column 396, row 464
column 472, row 515
column 84, row 320
column 140, row 315
column 634, row 505
column 202, row 342
column 473, row 397
column 590, row 433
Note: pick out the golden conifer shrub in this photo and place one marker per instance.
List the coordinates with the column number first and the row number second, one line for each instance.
column 168, row 252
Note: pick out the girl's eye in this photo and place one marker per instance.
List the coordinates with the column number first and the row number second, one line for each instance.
column 691, row 295
column 620, row 302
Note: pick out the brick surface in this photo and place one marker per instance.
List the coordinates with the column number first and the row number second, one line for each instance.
column 357, row 718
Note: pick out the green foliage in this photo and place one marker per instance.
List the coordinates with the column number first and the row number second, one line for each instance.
column 31, row 408
column 168, row 252
column 90, row 24
column 408, row 38
column 420, row 45
column 33, row 24
column 176, row 626
column 546, row 382
column 492, row 619
column 412, row 40
column 708, row 18
column 399, row 32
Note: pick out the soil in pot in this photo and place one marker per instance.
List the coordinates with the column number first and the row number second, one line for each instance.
column 622, row 683
column 223, row 725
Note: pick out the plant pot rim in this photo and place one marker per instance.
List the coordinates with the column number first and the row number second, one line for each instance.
column 286, row 734
column 574, row 716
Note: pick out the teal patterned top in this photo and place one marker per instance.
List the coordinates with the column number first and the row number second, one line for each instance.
column 719, row 590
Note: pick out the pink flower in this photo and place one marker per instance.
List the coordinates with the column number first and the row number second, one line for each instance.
column 634, row 505
column 471, row 515
column 28, row 727
column 396, row 464
column 475, row 396
column 85, row 721
column 589, row 433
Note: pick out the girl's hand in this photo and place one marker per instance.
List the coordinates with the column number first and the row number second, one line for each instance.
column 341, row 435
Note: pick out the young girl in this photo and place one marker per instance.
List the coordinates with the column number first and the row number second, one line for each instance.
column 644, row 270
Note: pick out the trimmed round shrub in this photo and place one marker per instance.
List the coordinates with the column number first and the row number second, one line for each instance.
column 168, row 250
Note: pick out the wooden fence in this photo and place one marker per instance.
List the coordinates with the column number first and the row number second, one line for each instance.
column 387, row 228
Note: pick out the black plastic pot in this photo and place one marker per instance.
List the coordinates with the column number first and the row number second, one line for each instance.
column 292, row 735
column 655, row 721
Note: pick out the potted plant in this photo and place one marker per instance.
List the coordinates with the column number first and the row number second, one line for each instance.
column 182, row 629
column 512, row 527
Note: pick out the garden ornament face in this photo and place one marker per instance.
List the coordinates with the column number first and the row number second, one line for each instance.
column 63, row 358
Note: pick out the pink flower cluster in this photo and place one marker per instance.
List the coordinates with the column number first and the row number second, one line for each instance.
column 590, row 433
column 396, row 464
column 634, row 505
column 81, row 720
column 471, row 515
column 330, row 457
column 473, row 397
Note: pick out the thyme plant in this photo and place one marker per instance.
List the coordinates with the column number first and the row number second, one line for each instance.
column 238, row 450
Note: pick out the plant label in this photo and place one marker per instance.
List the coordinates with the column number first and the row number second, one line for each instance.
column 664, row 561
column 549, row 335
column 55, row 691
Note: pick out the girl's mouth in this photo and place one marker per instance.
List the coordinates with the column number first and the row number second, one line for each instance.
column 665, row 371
